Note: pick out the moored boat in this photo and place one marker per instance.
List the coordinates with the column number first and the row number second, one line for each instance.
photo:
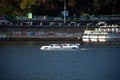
column 102, row 34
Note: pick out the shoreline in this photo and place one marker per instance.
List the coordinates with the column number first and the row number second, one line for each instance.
column 46, row 41
column 40, row 39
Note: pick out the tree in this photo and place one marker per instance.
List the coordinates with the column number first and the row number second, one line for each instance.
column 54, row 7
column 24, row 4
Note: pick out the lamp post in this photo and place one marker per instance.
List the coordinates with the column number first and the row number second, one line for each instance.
column 64, row 11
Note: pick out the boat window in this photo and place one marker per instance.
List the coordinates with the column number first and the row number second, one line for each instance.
column 71, row 44
column 51, row 44
column 64, row 44
column 57, row 45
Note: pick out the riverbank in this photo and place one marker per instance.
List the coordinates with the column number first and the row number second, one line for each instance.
column 41, row 39
column 42, row 34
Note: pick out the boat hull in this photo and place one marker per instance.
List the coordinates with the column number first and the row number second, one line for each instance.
column 60, row 47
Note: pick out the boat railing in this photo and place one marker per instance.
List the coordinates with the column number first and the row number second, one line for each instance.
column 111, row 26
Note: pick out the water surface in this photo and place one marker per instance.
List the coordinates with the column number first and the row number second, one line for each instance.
column 90, row 62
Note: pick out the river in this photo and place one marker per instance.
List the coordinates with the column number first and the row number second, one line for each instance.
column 23, row 60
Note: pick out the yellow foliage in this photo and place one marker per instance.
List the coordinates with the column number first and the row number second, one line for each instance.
column 26, row 3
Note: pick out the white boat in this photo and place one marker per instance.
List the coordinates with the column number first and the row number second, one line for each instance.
column 86, row 36
column 60, row 47
column 89, row 36
column 102, row 34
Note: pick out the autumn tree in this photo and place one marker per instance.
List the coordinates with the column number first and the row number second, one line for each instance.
column 54, row 7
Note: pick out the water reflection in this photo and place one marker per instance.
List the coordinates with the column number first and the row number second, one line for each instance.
column 41, row 43
column 33, row 43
